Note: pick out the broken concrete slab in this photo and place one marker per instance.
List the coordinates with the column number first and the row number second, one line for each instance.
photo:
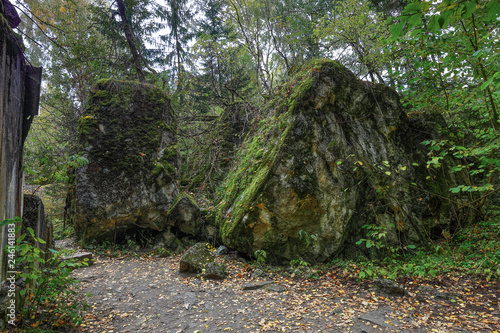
column 377, row 317
column 277, row 288
column 390, row 287
column 80, row 257
column 256, row 285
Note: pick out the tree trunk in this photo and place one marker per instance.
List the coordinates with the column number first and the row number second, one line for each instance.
column 131, row 41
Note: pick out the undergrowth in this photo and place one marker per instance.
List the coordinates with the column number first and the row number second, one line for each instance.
column 44, row 288
column 61, row 231
column 473, row 250
column 106, row 248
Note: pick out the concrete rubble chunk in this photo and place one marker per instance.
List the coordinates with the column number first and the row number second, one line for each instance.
column 337, row 154
column 216, row 271
column 221, row 251
column 390, row 287
column 277, row 288
column 256, row 285
column 128, row 134
column 195, row 258
column 80, row 257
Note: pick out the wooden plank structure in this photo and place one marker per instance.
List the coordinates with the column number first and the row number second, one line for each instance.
column 19, row 99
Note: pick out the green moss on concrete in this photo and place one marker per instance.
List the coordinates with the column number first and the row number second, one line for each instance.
column 242, row 185
column 275, row 191
column 290, row 94
column 259, row 152
column 165, row 162
column 171, row 128
column 332, row 145
column 179, row 197
column 123, row 125
column 245, row 210
column 86, row 124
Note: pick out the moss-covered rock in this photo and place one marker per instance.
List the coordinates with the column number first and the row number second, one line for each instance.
column 196, row 258
column 128, row 135
column 335, row 154
column 215, row 270
column 185, row 215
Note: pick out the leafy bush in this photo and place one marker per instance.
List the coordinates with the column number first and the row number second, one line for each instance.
column 377, row 238
column 261, row 257
column 47, row 291
column 472, row 250
column 452, row 42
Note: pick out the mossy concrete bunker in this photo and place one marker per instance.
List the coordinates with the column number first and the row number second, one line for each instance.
column 128, row 134
column 335, row 154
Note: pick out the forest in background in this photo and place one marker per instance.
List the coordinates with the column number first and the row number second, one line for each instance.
column 222, row 59
column 222, row 56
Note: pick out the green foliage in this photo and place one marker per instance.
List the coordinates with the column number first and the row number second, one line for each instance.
column 292, row 24
column 163, row 253
column 377, row 238
column 377, row 234
column 218, row 88
column 178, row 17
column 128, row 248
column 47, row 295
column 60, row 230
column 353, row 26
column 304, row 234
column 472, row 250
column 49, row 162
column 301, row 268
column 297, row 263
column 260, row 256
column 455, row 45
column 49, row 169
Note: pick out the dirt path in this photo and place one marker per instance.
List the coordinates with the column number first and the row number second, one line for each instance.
column 147, row 294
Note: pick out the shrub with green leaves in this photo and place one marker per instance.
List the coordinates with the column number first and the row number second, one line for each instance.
column 260, row 256
column 453, row 47
column 47, row 290
column 473, row 250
